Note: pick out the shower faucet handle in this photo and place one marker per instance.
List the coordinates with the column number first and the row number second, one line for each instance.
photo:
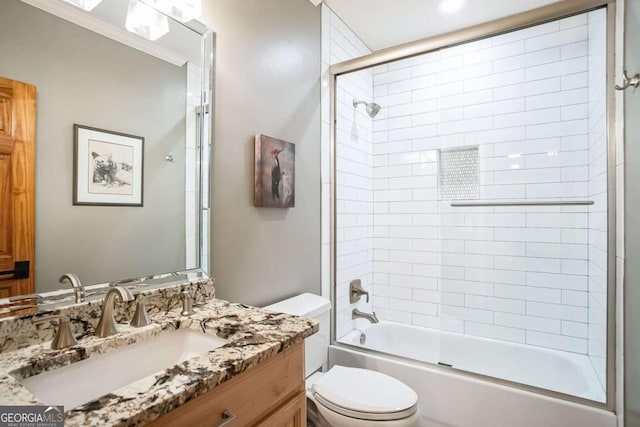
column 356, row 291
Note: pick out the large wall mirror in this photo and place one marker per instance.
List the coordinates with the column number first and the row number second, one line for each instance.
column 88, row 70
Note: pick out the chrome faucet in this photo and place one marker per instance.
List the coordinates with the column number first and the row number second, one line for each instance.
column 74, row 281
column 357, row 314
column 107, row 324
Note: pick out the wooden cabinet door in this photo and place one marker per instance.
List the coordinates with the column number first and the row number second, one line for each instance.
column 17, row 184
column 291, row 414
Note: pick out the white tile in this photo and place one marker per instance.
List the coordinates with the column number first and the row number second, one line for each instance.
column 557, row 99
column 549, row 130
column 495, row 248
column 558, row 250
column 575, row 329
column 570, row 266
column 559, row 38
column 580, row 299
column 575, row 80
column 554, row 220
column 467, row 287
column 559, row 281
column 574, row 50
column 483, row 316
column 493, row 53
column 527, row 89
column 541, row 324
column 527, row 60
column 559, row 342
column 495, row 275
column 557, row 311
column 495, row 332
column 544, row 265
column 547, row 115
column 557, row 69
column 495, row 304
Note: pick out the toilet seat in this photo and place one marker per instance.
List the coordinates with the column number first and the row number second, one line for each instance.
column 364, row 394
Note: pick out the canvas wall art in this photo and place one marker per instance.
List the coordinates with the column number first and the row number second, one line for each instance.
column 274, row 173
column 108, row 167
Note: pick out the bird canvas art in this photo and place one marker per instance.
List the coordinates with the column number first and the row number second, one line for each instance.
column 274, row 173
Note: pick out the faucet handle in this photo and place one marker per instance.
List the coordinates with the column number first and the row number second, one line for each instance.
column 141, row 317
column 187, row 303
column 356, row 291
column 64, row 336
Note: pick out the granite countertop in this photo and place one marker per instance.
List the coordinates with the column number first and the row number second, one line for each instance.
column 254, row 335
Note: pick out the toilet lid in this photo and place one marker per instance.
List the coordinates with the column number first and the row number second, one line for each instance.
column 365, row 394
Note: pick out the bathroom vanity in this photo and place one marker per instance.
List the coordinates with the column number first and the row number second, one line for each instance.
column 226, row 363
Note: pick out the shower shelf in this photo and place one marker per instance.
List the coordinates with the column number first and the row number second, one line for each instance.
column 480, row 203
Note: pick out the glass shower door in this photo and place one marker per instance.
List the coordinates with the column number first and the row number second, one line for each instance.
column 524, row 196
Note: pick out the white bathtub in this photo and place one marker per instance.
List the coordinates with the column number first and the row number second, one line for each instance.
column 448, row 398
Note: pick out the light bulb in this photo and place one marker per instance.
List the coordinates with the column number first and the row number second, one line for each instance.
column 87, row 5
column 146, row 21
column 450, row 6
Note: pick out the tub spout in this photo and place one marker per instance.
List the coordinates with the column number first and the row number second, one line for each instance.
column 357, row 314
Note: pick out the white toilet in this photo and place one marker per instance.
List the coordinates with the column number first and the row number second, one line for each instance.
column 342, row 396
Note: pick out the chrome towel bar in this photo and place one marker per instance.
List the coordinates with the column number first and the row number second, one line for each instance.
column 480, row 203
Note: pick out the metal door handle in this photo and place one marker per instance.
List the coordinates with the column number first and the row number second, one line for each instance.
column 20, row 270
column 227, row 418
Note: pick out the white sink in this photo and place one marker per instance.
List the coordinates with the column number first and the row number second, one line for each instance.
column 135, row 366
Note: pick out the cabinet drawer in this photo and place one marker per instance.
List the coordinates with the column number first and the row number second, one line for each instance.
column 292, row 414
column 250, row 396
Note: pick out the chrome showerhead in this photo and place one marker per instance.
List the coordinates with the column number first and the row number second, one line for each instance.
column 372, row 108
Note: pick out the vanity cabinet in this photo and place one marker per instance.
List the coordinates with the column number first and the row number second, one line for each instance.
column 271, row 394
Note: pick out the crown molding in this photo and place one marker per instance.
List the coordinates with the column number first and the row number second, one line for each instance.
column 121, row 35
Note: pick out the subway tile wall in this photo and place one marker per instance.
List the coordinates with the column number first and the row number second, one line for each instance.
column 532, row 102
column 519, row 274
column 354, row 171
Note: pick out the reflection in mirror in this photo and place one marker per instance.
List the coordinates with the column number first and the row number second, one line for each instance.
column 157, row 91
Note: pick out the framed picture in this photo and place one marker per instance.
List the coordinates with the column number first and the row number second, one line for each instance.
column 275, row 177
column 107, row 167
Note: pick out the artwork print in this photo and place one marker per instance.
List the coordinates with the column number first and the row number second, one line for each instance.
column 107, row 167
column 274, row 173
column 112, row 168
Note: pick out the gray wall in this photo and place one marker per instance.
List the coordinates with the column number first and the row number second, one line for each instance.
column 267, row 81
column 632, row 220
column 84, row 78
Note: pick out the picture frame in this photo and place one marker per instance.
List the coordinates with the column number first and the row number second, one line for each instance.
column 275, row 166
column 108, row 167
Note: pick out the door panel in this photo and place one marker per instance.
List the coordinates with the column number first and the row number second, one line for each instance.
column 632, row 219
column 17, row 183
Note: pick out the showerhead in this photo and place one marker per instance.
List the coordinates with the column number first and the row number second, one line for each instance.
column 372, row 108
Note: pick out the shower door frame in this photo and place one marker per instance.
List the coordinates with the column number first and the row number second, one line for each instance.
column 519, row 21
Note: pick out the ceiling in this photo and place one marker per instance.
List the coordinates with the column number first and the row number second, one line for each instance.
column 385, row 23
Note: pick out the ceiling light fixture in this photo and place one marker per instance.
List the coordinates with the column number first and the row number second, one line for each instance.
column 145, row 21
column 450, row 6
column 180, row 10
column 87, row 5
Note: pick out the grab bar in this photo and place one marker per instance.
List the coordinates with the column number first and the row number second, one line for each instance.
column 480, row 203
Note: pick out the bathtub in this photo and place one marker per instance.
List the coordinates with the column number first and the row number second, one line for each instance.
column 449, row 398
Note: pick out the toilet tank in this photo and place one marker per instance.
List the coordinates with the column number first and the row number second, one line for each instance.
column 316, row 347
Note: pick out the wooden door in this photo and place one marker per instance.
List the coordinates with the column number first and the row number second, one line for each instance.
column 17, row 184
